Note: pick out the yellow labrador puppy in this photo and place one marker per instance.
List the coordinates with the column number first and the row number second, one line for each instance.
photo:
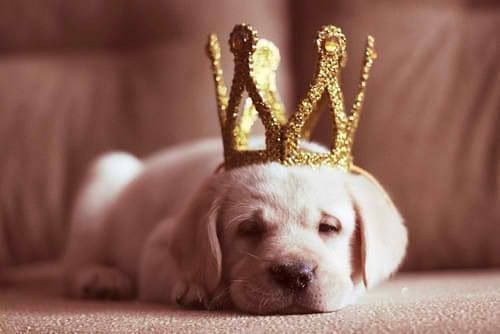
column 262, row 239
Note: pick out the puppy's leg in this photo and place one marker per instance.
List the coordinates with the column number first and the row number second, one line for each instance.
column 102, row 282
column 107, row 177
column 160, row 280
column 158, row 271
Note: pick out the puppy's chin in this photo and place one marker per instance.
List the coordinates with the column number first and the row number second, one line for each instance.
column 253, row 298
column 256, row 298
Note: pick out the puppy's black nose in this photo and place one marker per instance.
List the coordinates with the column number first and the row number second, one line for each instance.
column 294, row 276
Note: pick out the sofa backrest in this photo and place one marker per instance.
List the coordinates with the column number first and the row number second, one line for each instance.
column 81, row 77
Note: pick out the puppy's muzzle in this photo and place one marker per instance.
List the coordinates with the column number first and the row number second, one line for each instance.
column 292, row 276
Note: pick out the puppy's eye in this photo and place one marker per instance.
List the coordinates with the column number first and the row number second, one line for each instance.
column 326, row 228
column 329, row 225
column 251, row 228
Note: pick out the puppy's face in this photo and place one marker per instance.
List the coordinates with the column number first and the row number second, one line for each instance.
column 276, row 239
column 286, row 236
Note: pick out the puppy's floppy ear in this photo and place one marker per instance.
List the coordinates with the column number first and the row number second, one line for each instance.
column 195, row 244
column 383, row 235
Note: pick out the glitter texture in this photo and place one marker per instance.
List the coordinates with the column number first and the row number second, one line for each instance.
column 255, row 65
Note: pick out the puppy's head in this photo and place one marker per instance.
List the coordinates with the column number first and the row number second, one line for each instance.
column 276, row 239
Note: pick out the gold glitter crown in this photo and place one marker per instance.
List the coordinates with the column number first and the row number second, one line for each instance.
column 255, row 64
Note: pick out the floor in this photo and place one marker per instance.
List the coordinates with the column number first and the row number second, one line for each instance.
column 432, row 302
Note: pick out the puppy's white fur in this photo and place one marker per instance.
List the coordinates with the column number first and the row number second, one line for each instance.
column 168, row 229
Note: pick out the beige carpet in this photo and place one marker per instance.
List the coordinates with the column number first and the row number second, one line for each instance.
column 452, row 302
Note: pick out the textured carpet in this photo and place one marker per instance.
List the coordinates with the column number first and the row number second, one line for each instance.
column 451, row 302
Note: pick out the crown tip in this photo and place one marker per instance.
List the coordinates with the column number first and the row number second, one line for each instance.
column 212, row 47
column 243, row 38
column 212, row 38
column 331, row 41
column 370, row 45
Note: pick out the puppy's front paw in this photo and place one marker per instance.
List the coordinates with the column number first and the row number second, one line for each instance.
column 101, row 282
column 190, row 295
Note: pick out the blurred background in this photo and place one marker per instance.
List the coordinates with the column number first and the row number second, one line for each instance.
column 78, row 78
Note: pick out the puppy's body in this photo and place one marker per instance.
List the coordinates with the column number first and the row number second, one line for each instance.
column 170, row 229
column 124, row 199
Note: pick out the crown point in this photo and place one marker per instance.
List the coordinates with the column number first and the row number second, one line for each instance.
column 212, row 38
column 267, row 55
column 371, row 40
column 243, row 39
column 212, row 47
column 331, row 44
column 370, row 43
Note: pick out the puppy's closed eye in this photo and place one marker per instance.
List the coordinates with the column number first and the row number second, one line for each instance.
column 251, row 228
column 329, row 225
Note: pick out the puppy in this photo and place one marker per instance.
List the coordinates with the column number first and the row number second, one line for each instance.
column 263, row 238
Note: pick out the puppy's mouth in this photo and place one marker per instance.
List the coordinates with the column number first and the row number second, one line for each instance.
column 301, row 304
column 254, row 299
